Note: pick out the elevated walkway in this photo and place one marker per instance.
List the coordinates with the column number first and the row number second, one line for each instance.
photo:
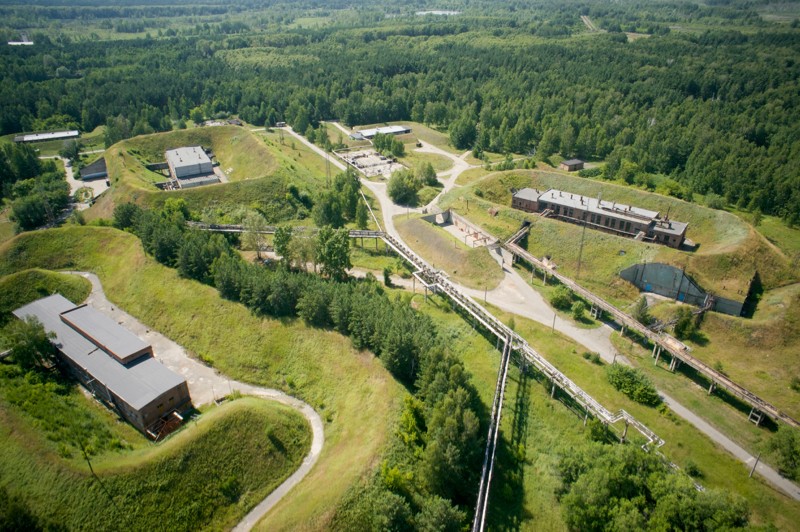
column 660, row 340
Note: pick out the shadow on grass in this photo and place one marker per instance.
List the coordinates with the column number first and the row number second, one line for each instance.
column 507, row 497
column 738, row 404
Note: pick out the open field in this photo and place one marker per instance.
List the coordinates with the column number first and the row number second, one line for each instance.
column 344, row 385
column 414, row 159
column 729, row 252
column 196, row 479
column 472, row 267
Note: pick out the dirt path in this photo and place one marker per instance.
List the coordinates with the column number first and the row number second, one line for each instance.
column 207, row 385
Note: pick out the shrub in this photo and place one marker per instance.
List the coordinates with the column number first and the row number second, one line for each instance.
column 561, row 298
column 633, row 383
column 591, row 172
column 579, row 310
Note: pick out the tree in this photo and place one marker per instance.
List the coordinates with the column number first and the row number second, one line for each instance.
column 785, row 447
column 427, row 175
column 463, row 133
column 685, row 326
column 333, row 252
column 31, row 345
column 126, row 215
column 561, row 298
column 362, row 219
column 640, row 313
column 254, row 236
column 453, row 451
column 403, row 188
column 578, row 310
column 282, row 242
column 71, row 150
column 327, row 210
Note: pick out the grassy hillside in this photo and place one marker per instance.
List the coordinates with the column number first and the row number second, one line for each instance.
column 347, row 387
column 473, row 267
column 265, row 174
column 194, row 480
column 729, row 250
column 23, row 287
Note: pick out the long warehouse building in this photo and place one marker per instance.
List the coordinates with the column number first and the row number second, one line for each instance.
column 112, row 363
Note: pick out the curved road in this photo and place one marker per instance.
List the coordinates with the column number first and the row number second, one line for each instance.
column 516, row 296
column 206, row 385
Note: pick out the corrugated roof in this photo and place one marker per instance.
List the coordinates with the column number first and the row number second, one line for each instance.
column 572, row 162
column 529, row 194
column 105, row 333
column 138, row 383
column 386, row 130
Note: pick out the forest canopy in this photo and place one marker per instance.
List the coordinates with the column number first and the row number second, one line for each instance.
column 715, row 108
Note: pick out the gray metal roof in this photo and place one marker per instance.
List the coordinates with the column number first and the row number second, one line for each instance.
column 105, row 333
column 572, row 162
column 138, row 383
column 187, row 156
column 529, row 194
column 606, row 208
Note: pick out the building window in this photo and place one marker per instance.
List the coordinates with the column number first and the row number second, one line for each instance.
column 613, row 223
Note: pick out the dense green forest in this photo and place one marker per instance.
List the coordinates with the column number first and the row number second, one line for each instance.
column 707, row 96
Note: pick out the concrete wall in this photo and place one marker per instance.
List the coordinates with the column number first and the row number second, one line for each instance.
column 671, row 282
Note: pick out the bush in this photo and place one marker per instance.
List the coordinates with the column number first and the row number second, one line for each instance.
column 561, row 298
column 785, row 448
column 633, row 383
column 686, row 325
column 578, row 310
column 591, row 172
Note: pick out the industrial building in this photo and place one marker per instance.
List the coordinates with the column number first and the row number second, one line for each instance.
column 369, row 134
column 609, row 216
column 190, row 167
column 53, row 135
column 114, row 364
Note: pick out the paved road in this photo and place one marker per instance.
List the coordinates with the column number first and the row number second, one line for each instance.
column 98, row 186
column 207, row 385
column 516, row 296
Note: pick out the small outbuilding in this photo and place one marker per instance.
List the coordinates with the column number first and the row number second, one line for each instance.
column 571, row 165
column 114, row 364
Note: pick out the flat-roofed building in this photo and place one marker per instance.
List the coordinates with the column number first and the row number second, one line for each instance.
column 112, row 363
column 189, row 162
column 386, row 130
column 53, row 135
column 625, row 220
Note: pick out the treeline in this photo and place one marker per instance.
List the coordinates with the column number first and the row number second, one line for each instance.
column 429, row 480
column 699, row 109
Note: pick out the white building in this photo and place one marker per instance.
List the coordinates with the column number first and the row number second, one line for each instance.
column 188, row 162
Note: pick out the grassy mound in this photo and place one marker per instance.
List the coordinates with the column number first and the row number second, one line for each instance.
column 265, row 174
column 472, row 267
column 729, row 250
column 347, row 387
column 23, row 287
column 197, row 479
